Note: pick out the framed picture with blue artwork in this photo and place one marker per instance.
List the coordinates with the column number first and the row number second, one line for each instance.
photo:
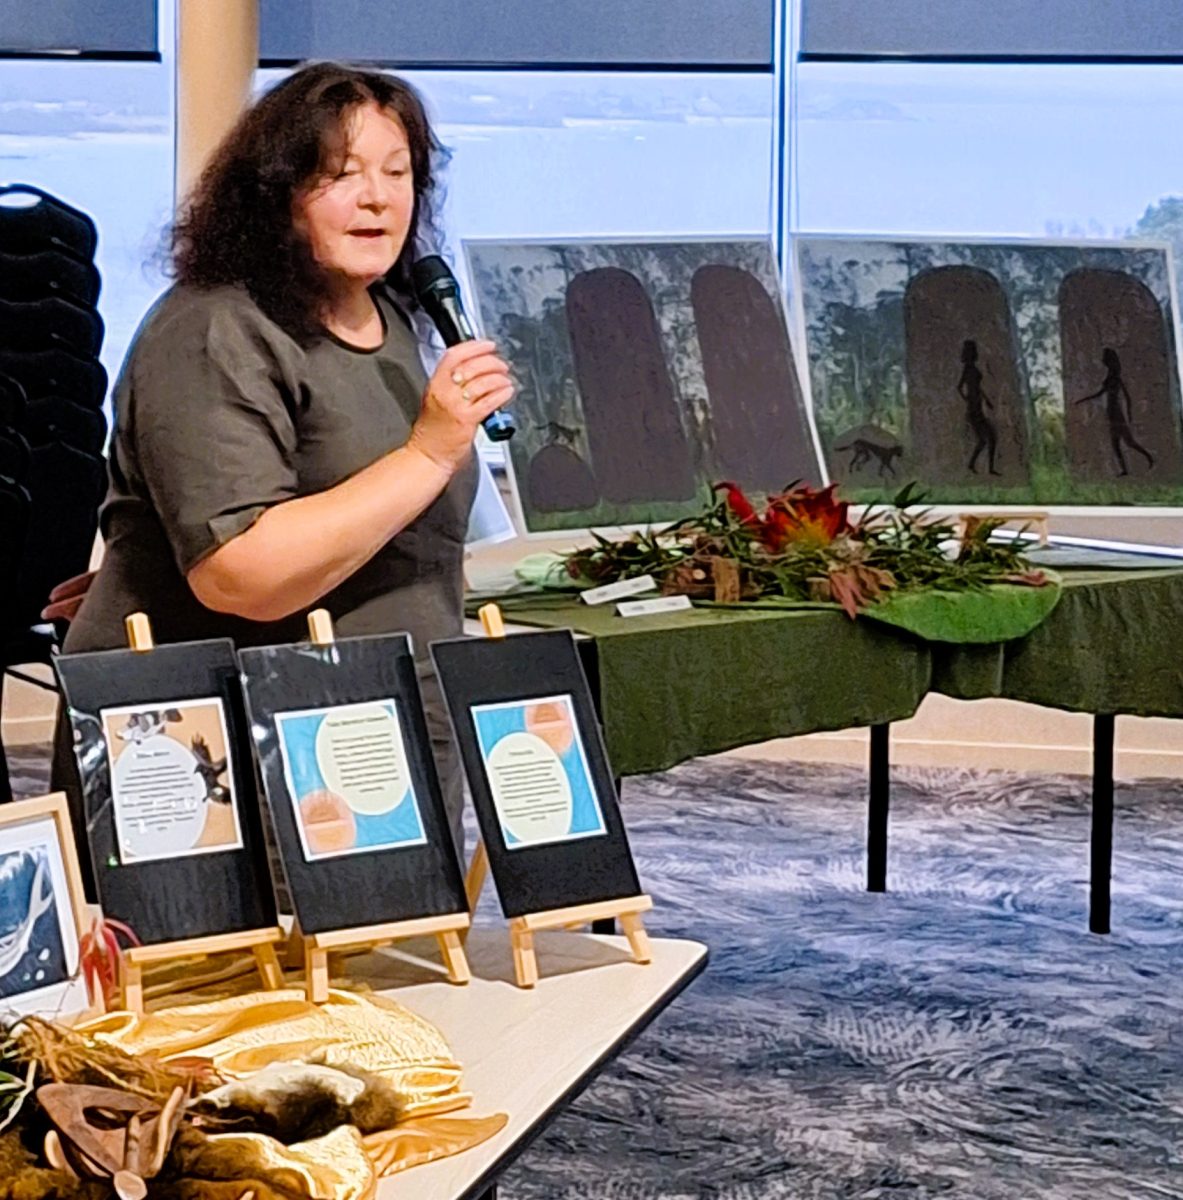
column 538, row 772
column 552, row 833
column 542, row 787
column 42, row 913
column 349, row 777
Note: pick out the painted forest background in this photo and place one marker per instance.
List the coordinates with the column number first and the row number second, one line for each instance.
column 853, row 293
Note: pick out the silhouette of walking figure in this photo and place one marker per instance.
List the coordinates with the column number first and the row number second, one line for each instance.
column 969, row 388
column 1119, row 417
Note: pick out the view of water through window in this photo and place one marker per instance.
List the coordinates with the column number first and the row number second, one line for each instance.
column 1033, row 151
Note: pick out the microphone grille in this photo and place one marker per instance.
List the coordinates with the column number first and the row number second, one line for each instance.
column 430, row 273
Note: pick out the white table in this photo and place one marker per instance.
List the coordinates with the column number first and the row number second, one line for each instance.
column 526, row 1053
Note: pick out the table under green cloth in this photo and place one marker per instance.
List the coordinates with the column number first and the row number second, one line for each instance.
column 678, row 685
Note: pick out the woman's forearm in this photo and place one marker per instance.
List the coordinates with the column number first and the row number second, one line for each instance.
column 298, row 551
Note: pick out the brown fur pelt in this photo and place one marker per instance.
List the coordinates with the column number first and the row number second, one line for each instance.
column 296, row 1102
column 198, row 1170
column 221, row 1189
column 24, row 1177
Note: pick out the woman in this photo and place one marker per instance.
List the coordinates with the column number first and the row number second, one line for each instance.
column 969, row 388
column 277, row 446
column 1119, row 417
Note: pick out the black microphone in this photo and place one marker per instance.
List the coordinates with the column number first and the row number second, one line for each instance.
column 439, row 293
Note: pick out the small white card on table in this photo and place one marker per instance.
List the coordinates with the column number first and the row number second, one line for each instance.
column 619, row 590
column 660, row 604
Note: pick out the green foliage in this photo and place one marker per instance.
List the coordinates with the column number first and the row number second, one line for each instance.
column 14, row 1085
column 896, row 545
column 1163, row 221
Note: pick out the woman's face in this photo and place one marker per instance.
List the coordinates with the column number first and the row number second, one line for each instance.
column 356, row 221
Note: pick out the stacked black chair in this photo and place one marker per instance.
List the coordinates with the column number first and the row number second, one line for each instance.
column 52, row 427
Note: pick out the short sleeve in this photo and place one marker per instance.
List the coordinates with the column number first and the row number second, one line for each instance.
column 211, row 422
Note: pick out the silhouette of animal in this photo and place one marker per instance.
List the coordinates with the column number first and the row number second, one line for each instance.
column 561, row 434
column 143, row 725
column 864, row 451
column 209, row 769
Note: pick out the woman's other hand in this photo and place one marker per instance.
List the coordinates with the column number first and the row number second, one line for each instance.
column 66, row 599
column 469, row 384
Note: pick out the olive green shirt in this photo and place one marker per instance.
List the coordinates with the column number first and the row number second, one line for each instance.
column 219, row 414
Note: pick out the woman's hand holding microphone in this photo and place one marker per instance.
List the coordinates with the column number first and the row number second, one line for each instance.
column 470, row 383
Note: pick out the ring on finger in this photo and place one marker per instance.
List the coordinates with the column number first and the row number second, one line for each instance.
column 465, row 395
column 458, row 378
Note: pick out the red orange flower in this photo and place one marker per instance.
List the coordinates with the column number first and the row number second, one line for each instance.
column 803, row 513
column 798, row 514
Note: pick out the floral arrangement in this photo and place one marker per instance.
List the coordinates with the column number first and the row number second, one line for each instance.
column 803, row 546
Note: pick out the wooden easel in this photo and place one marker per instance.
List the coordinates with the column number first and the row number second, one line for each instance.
column 1036, row 521
column 132, row 961
column 314, row 948
column 627, row 909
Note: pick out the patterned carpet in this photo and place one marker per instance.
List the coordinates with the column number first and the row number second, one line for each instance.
column 961, row 1036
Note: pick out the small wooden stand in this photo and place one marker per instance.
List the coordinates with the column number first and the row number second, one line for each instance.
column 314, row 948
column 627, row 909
column 261, row 942
column 1036, row 521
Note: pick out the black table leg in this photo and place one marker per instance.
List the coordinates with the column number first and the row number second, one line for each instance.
column 1101, row 846
column 490, row 1193
column 879, row 798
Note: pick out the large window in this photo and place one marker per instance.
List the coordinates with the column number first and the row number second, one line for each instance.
column 546, row 153
column 100, row 136
column 1077, row 151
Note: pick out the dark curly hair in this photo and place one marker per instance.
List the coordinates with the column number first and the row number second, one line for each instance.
column 236, row 226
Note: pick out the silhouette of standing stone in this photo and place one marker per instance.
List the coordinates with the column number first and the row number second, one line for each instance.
column 635, row 438
column 761, row 433
column 960, row 400
column 558, row 480
column 1111, row 311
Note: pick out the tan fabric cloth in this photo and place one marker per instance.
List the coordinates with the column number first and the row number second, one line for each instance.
column 242, row 1034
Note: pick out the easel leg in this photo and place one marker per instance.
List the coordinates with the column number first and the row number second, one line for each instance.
column 316, row 973
column 133, row 985
column 452, row 951
column 293, row 955
column 525, row 965
column 474, row 881
column 638, row 938
column 269, row 969
column 607, row 925
column 5, row 785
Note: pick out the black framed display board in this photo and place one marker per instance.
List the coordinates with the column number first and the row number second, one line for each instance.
column 170, row 812
column 541, row 783
column 351, row 784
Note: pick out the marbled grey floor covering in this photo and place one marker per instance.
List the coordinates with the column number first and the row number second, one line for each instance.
column 961, row 1036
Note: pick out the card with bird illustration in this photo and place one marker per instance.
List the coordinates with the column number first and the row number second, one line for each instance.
column 171, row 786
column 167, row 813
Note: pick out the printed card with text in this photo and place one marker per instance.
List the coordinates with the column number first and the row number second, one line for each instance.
column 348, row 778
column 172, row 789
column 538, row 772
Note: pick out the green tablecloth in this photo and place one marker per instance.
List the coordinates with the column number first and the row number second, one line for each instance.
column 678, row 685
